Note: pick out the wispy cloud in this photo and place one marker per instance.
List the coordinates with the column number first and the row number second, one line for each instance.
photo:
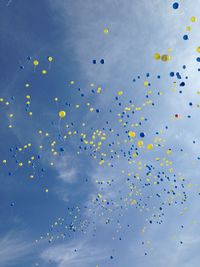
column 66, row 171
column 13, row 249
column 73, row 255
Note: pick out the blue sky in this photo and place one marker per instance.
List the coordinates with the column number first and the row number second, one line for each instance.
column 97, row 199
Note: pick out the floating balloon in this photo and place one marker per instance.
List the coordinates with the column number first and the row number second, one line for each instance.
column 175, row 5
column 165, row 58
column 62, row 114
column 50, row 59
column 193, row 19
column 35, row 62
column 157, row 56
column 106, row 31
column 150, row 146
column 132, row 134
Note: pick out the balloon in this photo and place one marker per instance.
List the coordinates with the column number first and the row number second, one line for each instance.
column 157, row 56
column 150, row 146
column 165, row 58
column 169, row 151
column 142, row 134
column 198, row 49
column 140, row 143
column 185, row 37
column 50, row 59
column 35, row 62
column 175, row 5
column 193, row 19
column 131, row 134
column 120, row 93
column 62, row 114
column 106, row 31
column 44, row 72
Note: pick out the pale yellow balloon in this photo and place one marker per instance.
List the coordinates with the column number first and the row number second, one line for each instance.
column 150, row 146
column 193, row 19
column 156, row 56
column 132, row 134
column 50, row 59
column 198, row 49
column 169, row 152
column 140, row 143
column 44, row 72
column 106, row 31
column 188, row 28
column 62, row 114
column 35, row 62
column 165, row 58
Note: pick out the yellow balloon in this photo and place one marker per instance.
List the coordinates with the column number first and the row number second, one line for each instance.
column 146, row 83
column 140, row 143
column 169, row 151
column 188, row 28
column 198, row 49
column 120, row 93
column 106, row 31
column 156, row 56
column 150, row 146
column 50, row 59
column 165, row 58
column 193, row 19
column 44, row 72
column 35, row 62
column 131, row 134
column 62, row 114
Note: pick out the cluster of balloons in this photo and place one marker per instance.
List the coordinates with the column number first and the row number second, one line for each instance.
column 141, row 160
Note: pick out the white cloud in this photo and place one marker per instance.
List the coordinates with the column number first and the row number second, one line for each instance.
column 73, row 255
column 13, row 249
column 66, row 171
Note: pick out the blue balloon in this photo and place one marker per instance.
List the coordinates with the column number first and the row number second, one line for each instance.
column 142, row 134
column 175, row 5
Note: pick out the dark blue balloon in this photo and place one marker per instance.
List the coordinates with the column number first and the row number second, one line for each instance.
column 182, row 84
column 175, row 5
column 142, row 134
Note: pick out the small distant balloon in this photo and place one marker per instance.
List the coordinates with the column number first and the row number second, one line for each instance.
column 175, row 5
column 62, row 114
column 35, row 62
